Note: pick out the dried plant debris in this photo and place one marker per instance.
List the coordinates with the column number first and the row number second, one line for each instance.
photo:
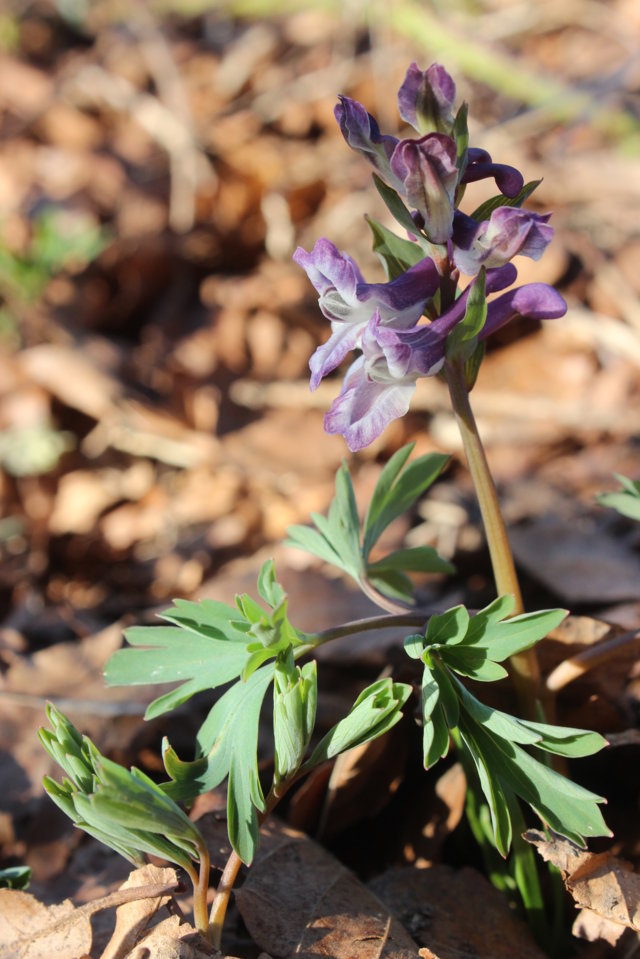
column 299, row 900
column 31, row 930
column 603, row 887
column 454, row 914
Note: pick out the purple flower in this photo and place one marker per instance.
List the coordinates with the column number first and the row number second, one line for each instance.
column 377, row 388
column 379, row 385
column 424, row 171
column 427, row 172
column 537, row 301
column 480, row 166
column 509, row 231
column 362, row 133
column 349, row 302
column 426, row 99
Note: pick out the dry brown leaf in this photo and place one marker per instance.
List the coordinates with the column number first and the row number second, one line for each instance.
column 83, row 495
column 132, row 918
column 72, row 377
column 598, row 882
column 299, row 900
column 31, row 930
column 589, row 566
column 455, row 914
column 589, row 925
column 171, row 939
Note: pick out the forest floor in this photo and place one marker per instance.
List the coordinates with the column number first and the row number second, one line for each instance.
column 158, row 435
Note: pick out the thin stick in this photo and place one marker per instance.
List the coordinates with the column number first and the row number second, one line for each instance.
column 581, row 663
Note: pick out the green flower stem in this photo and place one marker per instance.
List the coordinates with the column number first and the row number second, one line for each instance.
column 525, row 669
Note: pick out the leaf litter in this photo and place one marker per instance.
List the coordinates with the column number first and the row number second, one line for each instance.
column 150, row 391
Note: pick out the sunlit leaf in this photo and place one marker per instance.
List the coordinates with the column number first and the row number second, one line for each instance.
column 227, row 745
column 397, row 255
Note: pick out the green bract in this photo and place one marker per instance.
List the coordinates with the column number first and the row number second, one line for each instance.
column 376, row 710
column 122, row 808
column 295, row 697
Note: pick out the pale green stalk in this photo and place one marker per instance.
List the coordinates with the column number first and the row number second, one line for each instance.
column 525, row 668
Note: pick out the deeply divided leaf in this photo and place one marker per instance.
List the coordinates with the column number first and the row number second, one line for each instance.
column 228, row 743
column 167, row 654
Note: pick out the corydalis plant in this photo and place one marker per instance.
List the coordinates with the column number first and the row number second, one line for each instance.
column 403, row 328
column 416, row 324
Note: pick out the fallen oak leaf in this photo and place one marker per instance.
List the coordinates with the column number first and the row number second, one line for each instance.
column 600, row 884
column 31, row 930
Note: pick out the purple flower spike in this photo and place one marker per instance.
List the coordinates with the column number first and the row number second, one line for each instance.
column 349, row 302
column 479, row 166
column 362, row 133
column 508, row 232
column 426, row 99
column 377, row 388
column 537, row 301
column 428, row 173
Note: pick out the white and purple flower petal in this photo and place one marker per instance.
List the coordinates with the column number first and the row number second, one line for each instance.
column 403, row 299
column 362, row 133
column 427, row 170
column 329, row 269
column 377, row 388
column 508, row 232
column 426, row 99
column 349, row 302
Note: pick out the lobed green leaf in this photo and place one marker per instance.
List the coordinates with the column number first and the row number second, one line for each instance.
column 269, row 589
column 415, row 559
column 494, row 795
column 627, row 501
column 565, row 807
column 314, row 542
column 175, row 654
column 447, row 628
column 227, row 744
column 375, row 711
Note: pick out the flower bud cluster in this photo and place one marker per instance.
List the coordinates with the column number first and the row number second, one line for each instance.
column 385, row 321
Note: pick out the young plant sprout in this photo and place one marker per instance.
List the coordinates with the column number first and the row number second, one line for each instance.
column 418, row 323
